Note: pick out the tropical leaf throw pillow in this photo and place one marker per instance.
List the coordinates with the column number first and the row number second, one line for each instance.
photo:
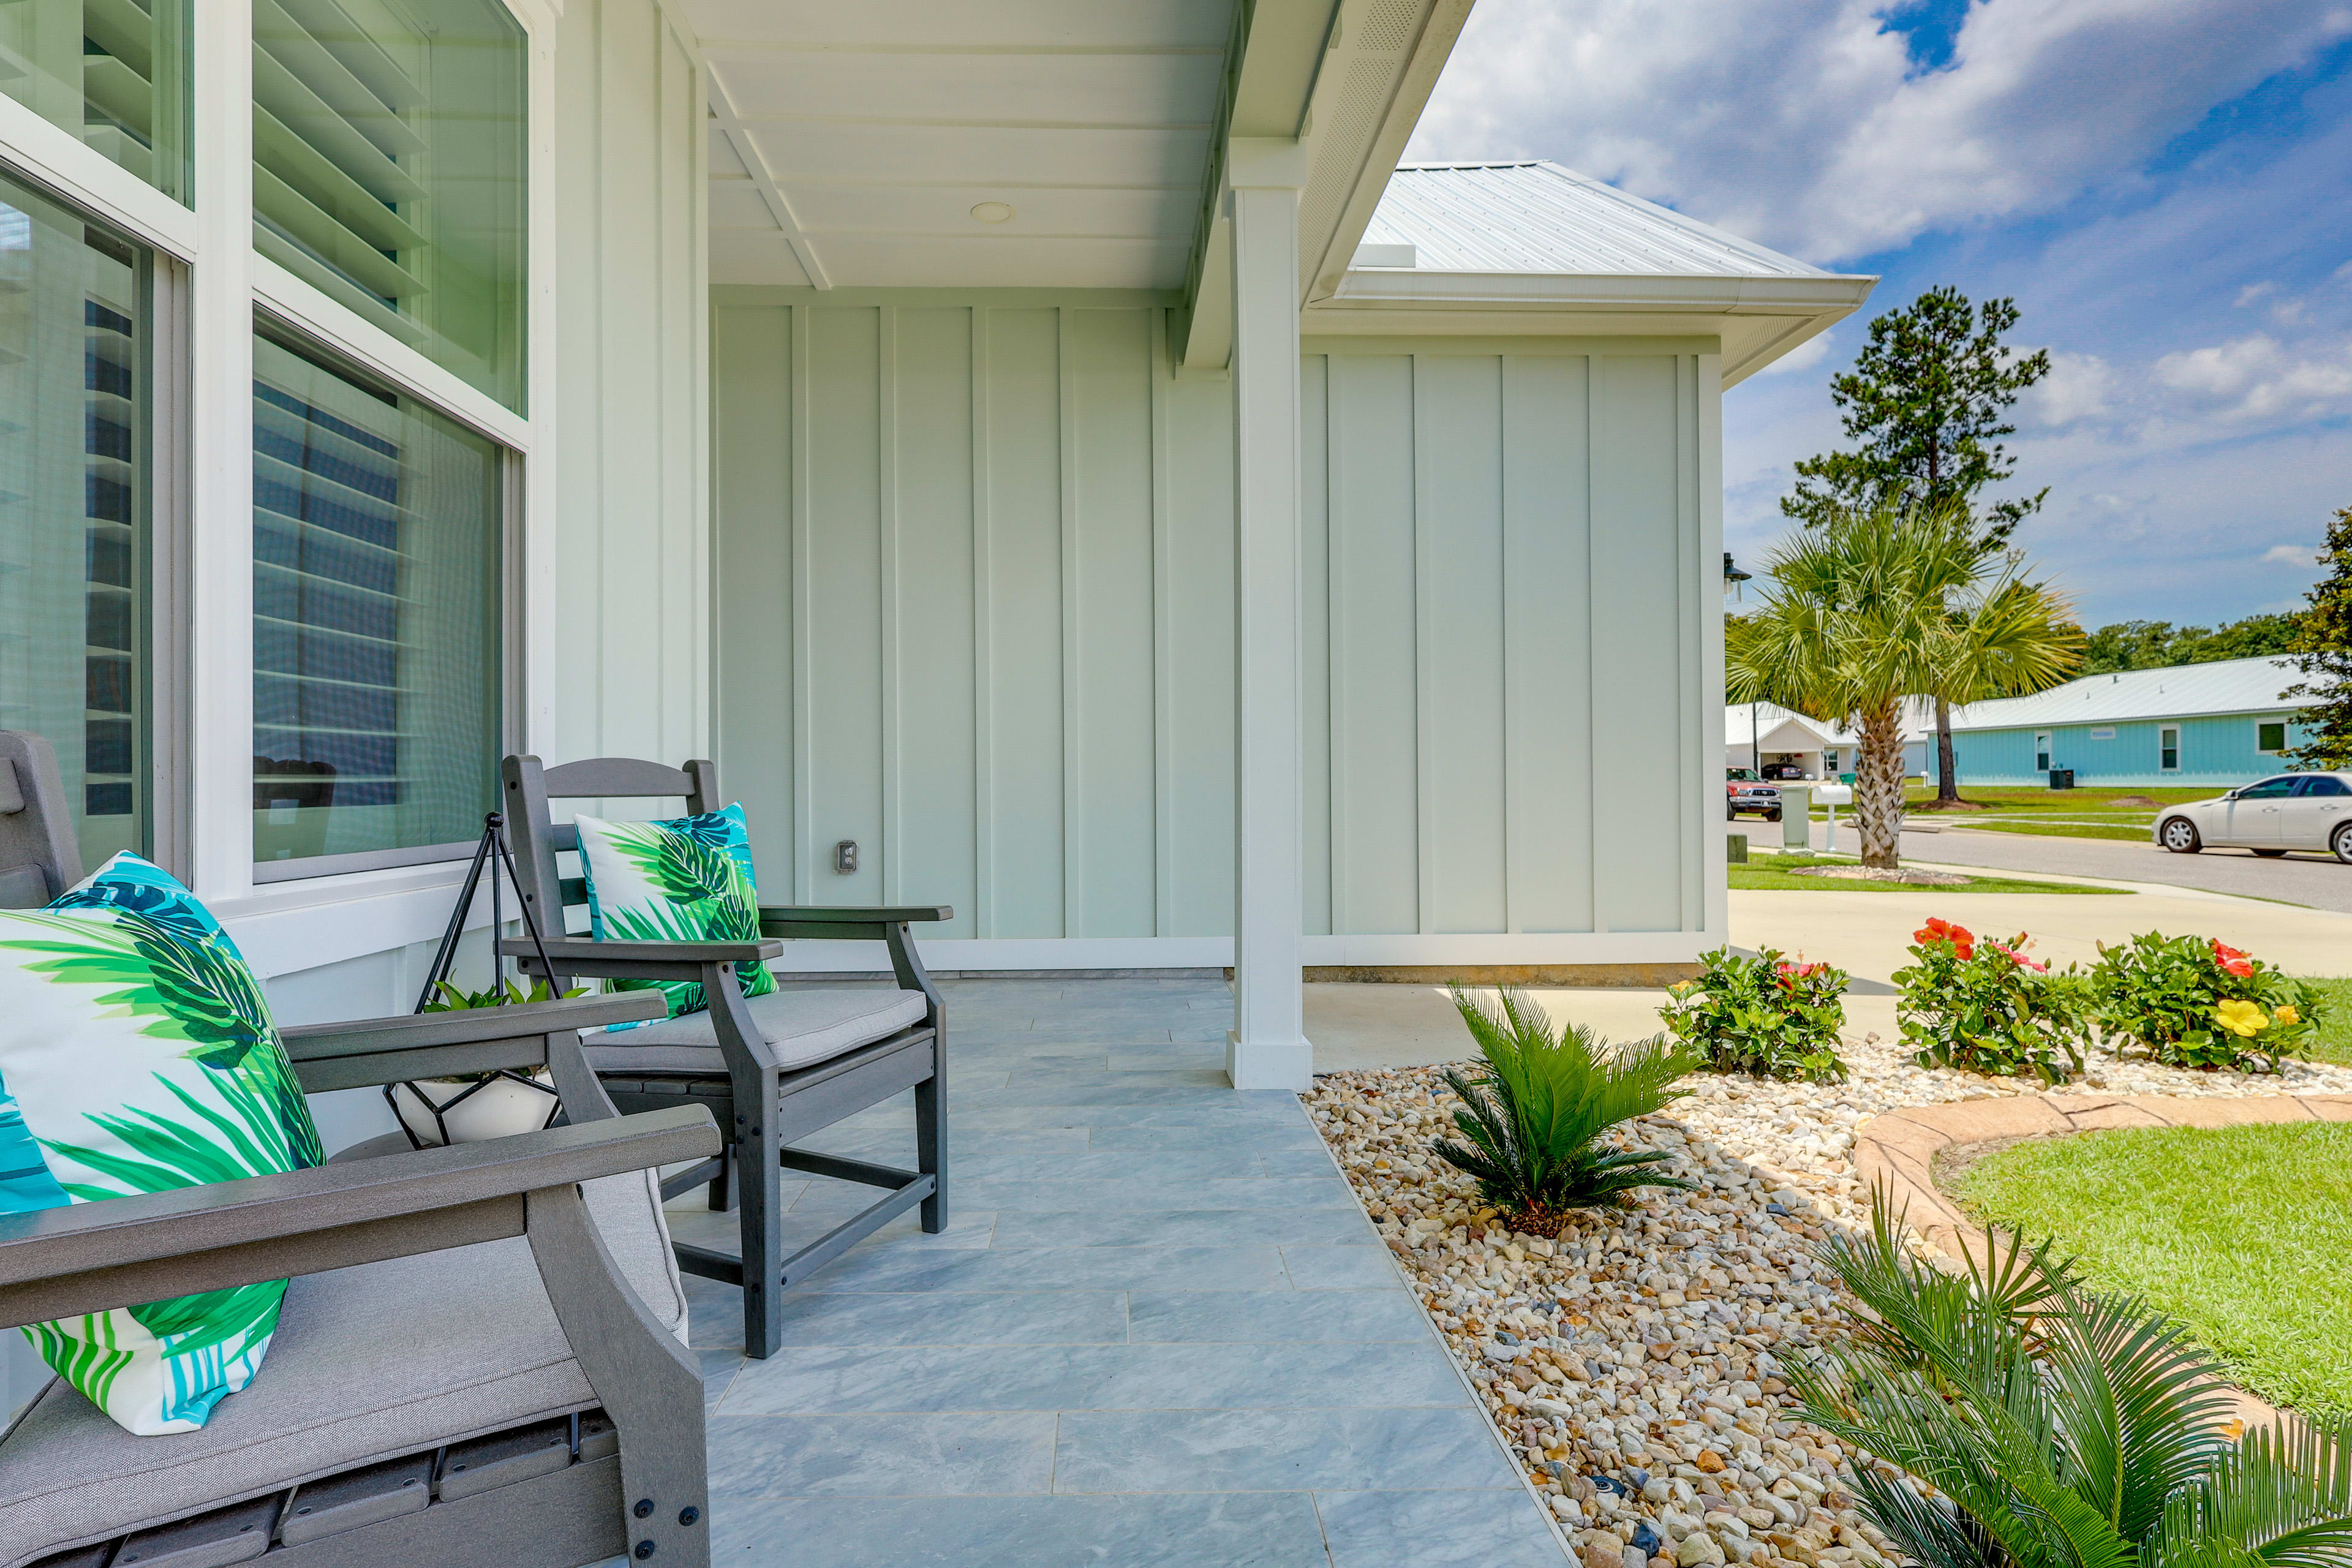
column 685, row 879
column 137, row 1056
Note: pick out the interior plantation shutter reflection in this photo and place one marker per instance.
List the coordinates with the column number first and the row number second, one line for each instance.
column 376, row 638
column 388, row 146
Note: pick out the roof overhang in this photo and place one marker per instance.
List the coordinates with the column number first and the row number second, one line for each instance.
column 1757, row 319
column 1347, row 79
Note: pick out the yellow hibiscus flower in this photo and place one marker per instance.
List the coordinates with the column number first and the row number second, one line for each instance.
column 2287, row 1015
column 2244, row 1019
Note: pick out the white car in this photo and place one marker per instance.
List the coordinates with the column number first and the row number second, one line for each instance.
column 2293, row 810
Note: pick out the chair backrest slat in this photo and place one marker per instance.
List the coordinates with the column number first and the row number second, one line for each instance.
column 612, row 777
column 39, row 854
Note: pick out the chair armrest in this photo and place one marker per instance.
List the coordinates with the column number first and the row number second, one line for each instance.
column 579, row 955
column 467, row 1026
column 779, row 919
column 89, row 1258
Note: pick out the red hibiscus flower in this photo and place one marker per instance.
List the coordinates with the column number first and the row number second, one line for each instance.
column 1963, row 941
column 2232, row 960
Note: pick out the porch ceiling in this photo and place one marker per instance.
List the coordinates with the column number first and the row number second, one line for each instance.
column 851, row 144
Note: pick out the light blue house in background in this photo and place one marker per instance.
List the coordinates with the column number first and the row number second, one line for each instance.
column 2224, row 723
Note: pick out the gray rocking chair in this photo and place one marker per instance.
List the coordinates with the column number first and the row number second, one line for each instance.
column 772, row 1069
column 477, row 1363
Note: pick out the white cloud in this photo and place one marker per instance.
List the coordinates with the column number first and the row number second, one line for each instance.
column 2257, row 377
column 1802, row 123
column 2078, row 388
column 2290, row 555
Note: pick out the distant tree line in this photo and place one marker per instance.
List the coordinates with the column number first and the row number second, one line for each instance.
column 2153, row 645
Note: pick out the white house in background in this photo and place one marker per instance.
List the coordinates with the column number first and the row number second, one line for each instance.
column 1761, row 735
column 1050, row 445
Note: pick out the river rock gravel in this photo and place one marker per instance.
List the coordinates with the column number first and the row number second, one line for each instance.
column 1634, row 1363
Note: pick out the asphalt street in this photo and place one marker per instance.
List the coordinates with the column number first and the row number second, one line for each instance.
column 2315, row 880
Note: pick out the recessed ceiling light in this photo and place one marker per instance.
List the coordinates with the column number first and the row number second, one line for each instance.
column 992, row 212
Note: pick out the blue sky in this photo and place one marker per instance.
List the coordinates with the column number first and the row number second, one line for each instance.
column 2164, row 187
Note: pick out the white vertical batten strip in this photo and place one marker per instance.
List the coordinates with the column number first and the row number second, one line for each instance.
column 805, row 854
column 1690, row 683
column 983, row 719
column 1073, row 777
column 220, row 431
column 1595, row 378
column 1269, row 1047
column 886, row 463
column 1517, row 616
column 1716, row 922
column 535, row 730
column 1163, row 636
column 1425, row 695
column 1335, row 552
column 698, row 402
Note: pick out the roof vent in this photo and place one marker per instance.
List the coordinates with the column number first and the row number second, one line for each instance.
column 1383, row 255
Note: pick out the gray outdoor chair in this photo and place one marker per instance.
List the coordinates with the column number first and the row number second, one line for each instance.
column 772, row 1070
column 479, row 1363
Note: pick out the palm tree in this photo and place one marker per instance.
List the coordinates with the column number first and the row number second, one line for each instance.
column 2055, row 1427
column 1886, row 602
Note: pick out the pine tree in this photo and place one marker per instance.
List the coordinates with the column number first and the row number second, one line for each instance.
column 2325, row 655
column 1927, row 403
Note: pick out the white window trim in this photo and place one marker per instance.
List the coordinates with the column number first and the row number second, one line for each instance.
column 51, row 155
column 209, row 601
column 2161, row 765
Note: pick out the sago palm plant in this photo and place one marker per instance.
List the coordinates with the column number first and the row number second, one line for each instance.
column 2057, row 1427
column 1532, row 1115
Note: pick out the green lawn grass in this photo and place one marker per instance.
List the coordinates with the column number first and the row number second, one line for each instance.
column 2136, row 832
column 2242, row 1234
column 1771, row 874
column 2334, row 1023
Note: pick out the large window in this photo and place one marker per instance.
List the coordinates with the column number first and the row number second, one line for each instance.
column 74, row 505
column 388, row 149
column 376, row 610
column 113, row 72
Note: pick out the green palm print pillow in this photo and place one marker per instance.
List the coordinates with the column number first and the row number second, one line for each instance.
column 685, row 879
column 136, row 1055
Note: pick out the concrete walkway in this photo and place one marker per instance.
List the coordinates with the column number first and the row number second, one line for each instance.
column 1158, row 1330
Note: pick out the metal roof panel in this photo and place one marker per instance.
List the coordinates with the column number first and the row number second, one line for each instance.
column 1534, row 216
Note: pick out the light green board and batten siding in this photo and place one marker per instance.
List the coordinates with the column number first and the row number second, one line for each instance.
column 974, row 606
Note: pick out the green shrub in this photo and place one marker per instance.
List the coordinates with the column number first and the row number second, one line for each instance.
column 1763, row 1015
column 1533, row 1115
column 2193, row 1002
column 2055, row 1426
column 1984, row 1006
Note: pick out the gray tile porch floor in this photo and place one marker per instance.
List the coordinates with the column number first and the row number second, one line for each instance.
column 1157, row 1330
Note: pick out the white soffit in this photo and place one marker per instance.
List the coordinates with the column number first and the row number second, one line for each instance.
column 851, row 143
column 1527, row 245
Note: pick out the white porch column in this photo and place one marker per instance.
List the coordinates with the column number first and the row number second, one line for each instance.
column 1267, row 1049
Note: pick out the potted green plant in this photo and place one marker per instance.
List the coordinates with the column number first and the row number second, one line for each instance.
column 471, row 1107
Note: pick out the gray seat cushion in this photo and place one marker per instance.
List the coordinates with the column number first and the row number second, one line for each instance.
column 803, row 1024
column 368, row 1363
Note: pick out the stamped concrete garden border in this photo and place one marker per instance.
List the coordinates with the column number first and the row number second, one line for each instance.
column 1898, row 1150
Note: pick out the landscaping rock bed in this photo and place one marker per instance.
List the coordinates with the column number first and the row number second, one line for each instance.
column 1634, row 1363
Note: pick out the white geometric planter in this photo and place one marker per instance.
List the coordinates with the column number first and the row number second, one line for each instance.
column 443, row 1111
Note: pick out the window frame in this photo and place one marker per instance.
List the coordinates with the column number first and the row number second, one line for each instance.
column 201, row 728
column 2045, row 753
column 507, row 485
column 2261, row 728
column 2167, row 748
